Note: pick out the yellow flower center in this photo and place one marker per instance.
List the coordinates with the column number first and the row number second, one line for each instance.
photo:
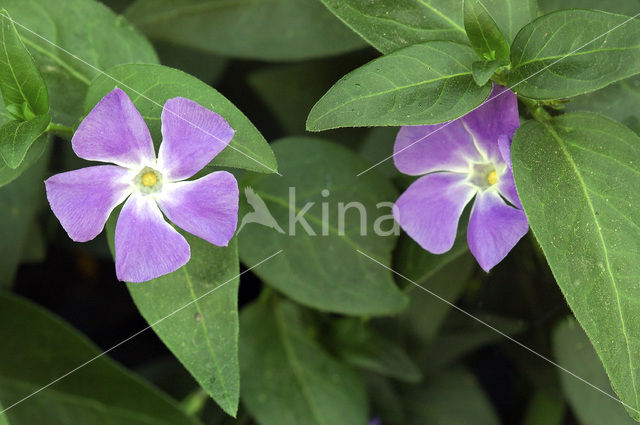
column 492, row 178
column 149, row 179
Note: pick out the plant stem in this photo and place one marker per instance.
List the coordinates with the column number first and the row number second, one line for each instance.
column 63, row 130
column 194, row 402
column 536, row 110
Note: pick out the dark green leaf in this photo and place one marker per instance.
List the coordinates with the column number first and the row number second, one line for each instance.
column 323, row 270
column 150, row 86
column 577, row 177
column 21, row 83
column 38, row 348
column 484, row 70
column 378, row 146
column 204, row 335
column 16, row 137
column 623, row 7
column 485, row 36
column 435, row 85
column 574, row 352
column 512, row 15
column 287, row 378
column 203, row 65
column 19, row 203
column 389, row 25
column 363, row 347
column 452, row 397
column 8, row 174
column 263, row 29
column 86, row 29
column 545, row 409
column 572, row 52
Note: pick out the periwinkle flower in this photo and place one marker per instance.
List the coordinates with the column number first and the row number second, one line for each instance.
column 469, row 157
column 147, row 246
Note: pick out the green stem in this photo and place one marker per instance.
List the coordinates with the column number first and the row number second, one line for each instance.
column 536, row 109
column 194, row 402
column 60, row 129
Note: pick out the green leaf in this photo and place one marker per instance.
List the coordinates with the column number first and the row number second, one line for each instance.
column 16, row 137
column 19, row 204
column 623, row 7
column 452, row 397
column 363, row 347
column 485, row 36
column 203, row 335
column 435, row 85
column 572, row 52
column 324, row 271
column 512, row 15
column 287, row 378
column 21, row 83
column 150, row 86
column 577, row 177
column 545, row 409
column 619, row 101
column 38, row 348
column 484, row 70
column 202, row 65
column 263, row 29
column 8, row 174
column 389, row 25
column 574, row 351
column 97, row 36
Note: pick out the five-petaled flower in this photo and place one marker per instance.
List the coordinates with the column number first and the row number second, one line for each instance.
column 459, row 160
column 146, row 246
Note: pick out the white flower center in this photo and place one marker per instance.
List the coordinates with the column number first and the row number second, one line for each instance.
column 483, row 175
column 148, row 181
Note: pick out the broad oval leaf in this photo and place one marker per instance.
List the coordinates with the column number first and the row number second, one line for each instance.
column 287, row 378
column 17, row 137
column 320, row 265
column 577, row 177
column 38, row 348
column 623, row 7
column 200, row 330
column 574, row 351
column 426, row 83
column 98, row 37
column 262, row 29
column 149, row 86
column 21, row 83
column 572, row 52
column 485, row 35
column 389, row 25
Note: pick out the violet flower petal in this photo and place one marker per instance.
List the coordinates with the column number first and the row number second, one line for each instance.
column 207, row 207
column 114, row 131
column 507, row 188
column 504, row 144
column 83, row 199
column 423, row 149
column 494, row 229
column 192, row 136
column 429, row 210
column 146, row 245
column 493, row 119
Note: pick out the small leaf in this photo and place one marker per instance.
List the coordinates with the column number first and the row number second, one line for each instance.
column 38, row 348
column 363, row 347
column 21, row 83
column 287, row 378
column 484, row 70
column 16, row 137
column 512, row 15
column 572, row 52
column 577, row 177
column 248, row 149
column 320, row 266
column 485, row 36
column 435, row 85
column 574, row 351
column 266, row 29
column 388, row 25
column 203, row 335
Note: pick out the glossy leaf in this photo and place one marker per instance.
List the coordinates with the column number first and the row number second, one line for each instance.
column 435, row 85
column 572, row 52
column 485, row 36
column 484, row 70
column 21, row 83
column 363, row 347
column 574, row 351
column 19, row 204
column 287, row 378
column 98, row 37
column 321, row 269
column 512, row 15
column 577, row 178
column 389, row 25
column 38, row 347
column 16, row 137
column 157, row 83
column 203, row 335
column 264, row 29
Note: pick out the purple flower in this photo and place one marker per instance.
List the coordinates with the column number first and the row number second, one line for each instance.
column 146, row 245
column 468, row 157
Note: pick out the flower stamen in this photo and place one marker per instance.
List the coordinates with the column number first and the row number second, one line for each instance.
column 492, row 178
column 149, row 179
